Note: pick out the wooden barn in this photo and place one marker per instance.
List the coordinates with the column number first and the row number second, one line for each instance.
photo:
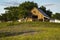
column 38, row 15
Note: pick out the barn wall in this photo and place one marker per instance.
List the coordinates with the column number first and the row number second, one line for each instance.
column 35, row 11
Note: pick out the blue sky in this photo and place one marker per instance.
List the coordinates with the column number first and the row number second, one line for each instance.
column 53, row 5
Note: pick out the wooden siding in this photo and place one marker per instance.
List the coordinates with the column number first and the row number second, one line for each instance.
column 28, row 19
column 36, row 12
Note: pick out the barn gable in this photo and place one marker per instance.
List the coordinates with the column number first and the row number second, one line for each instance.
column 39, row 13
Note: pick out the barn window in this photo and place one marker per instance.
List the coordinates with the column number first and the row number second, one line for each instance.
column 34, row 16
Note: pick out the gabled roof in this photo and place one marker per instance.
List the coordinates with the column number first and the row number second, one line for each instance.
column 44, row 14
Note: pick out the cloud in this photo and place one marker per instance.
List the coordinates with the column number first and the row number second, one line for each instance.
column 49, row 4
column 12, row 3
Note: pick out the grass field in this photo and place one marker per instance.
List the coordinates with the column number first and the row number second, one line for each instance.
column 30, row 31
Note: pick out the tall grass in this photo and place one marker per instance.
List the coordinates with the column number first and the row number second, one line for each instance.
column 29, row 31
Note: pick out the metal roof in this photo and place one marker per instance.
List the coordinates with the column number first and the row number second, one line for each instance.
column 44, row 13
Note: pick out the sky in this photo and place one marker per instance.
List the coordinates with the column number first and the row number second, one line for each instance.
column 53, row 5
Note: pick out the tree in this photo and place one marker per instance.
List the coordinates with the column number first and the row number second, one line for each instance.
column 0, row 17
column 56, row 16
column 12, row 13
column 26, row 7
column 49, row 13
column 22, row 11
column 43, row 8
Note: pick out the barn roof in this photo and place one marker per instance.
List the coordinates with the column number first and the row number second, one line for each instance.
column 44, row 13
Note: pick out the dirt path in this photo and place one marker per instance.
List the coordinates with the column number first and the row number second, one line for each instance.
column 6, row 34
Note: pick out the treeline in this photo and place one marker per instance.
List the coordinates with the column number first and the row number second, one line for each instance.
column 14, row 13
column 56, row 16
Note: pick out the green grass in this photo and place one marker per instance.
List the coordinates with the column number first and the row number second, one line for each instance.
column 30, row 31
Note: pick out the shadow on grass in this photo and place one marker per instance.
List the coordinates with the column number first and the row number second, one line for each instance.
column 7, row 34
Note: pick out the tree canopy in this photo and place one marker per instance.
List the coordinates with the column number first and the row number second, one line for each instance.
column 56, row 16
column 25, row 8
column 22, row 11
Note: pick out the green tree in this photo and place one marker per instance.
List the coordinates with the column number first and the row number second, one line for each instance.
column 56, row 16
column 0, row 17
column 22, row 11
column 26, row 7
column 49, row 13
column 12, row 13
column 43, row 8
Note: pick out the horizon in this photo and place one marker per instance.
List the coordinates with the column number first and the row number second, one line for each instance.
column 54, row 5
